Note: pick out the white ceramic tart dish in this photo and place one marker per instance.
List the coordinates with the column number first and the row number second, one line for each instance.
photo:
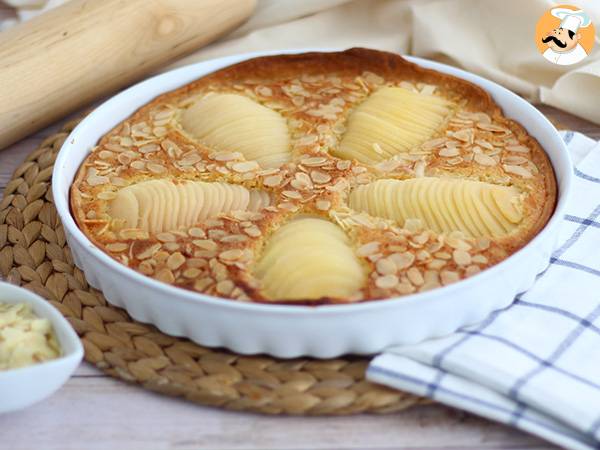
column 24, row 386
column 312, row 204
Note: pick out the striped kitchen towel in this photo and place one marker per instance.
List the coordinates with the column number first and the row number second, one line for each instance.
column 534, row 365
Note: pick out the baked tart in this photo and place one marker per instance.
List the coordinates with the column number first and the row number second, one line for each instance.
column 315, row 178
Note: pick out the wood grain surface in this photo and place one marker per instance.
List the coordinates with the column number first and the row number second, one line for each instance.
column 67, row 57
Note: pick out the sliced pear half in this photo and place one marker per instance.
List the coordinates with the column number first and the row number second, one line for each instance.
column 231, row 122
column 308, row 259
column 443, row 204
column 392, row 120
column 162, row 205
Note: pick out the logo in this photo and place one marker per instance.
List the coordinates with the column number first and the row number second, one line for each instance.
column 565, row 35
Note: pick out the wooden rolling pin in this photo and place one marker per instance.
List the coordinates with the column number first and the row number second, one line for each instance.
column 67, row 57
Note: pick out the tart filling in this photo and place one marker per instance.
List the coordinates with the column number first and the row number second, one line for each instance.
column 315, row 178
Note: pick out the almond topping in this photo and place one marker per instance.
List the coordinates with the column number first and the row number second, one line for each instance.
column 320, row 177
column 175, row 261
column 386, row 281
column 517, row 170
column 245, row 166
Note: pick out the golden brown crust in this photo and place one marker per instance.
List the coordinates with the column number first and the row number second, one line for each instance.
column 303, row 88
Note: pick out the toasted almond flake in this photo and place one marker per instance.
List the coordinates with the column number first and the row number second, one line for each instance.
column 415, row 276
column 413, row 225
column 313, row 161
column 149, row 148
column 448, row 277
column 433, row 143
column 385, row 266
column 231, row 255
column 454, row 161
column 343, row 164
column 159, row 131
column 148, row 252
column 156, row 168
column 124, row 158
column 404, row 288
column 192, row 272
column 484, row 144
column 320, row 177
column 146, row 268
column 368, row 249
column 264, row 91
column 484, row 160
column 307, row 140
column 163, row 114
column 205, row 244
column 273, row 180
column 253, row 231
column 165, row 275
column 423, row 255
column 95, row 180
column 472, row 270
column 461, row 257
column 287, row 206
column 138, row 165
column 197, row 232
column 420, row 169
column 189, row 159
column 491, row 127
column 483, row 243
column 114, row 148
column 225, row 287
column 514, row 160
column 479, row 259
column 386, row 281
column 234, row 238
column 106, row 195
column 203, row 283
column 295, row 195
column 245, row 166
column 117, row 247
column 323, row 205
column 175, row 261
column 165, row 237
column 403, row 260
column 517, row 149
column 517, row 170
column 226, row 156
column 436, row 264
column 105, row 154
column 428, row 89
column 448, row 152
column 466, row 135
column 421, row 238
column 196, row 262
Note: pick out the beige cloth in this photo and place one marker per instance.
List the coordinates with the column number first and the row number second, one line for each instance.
column 492, row 38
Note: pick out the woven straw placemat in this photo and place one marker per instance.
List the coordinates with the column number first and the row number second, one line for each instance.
column 34, row 254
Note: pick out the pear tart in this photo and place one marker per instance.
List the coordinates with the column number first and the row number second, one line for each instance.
column 315, row 178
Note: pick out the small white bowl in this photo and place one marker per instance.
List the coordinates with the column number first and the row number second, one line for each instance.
column 288, row 330
column 25, row 386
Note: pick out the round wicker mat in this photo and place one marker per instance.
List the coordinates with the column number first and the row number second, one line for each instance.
column 34, row 254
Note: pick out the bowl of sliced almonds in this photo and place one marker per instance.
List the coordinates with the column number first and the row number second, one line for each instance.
column 38, row 348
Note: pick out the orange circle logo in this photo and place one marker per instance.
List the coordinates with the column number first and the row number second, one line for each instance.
column 564, row 35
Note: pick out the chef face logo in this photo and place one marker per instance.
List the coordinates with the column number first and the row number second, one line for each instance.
column 565, row 35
